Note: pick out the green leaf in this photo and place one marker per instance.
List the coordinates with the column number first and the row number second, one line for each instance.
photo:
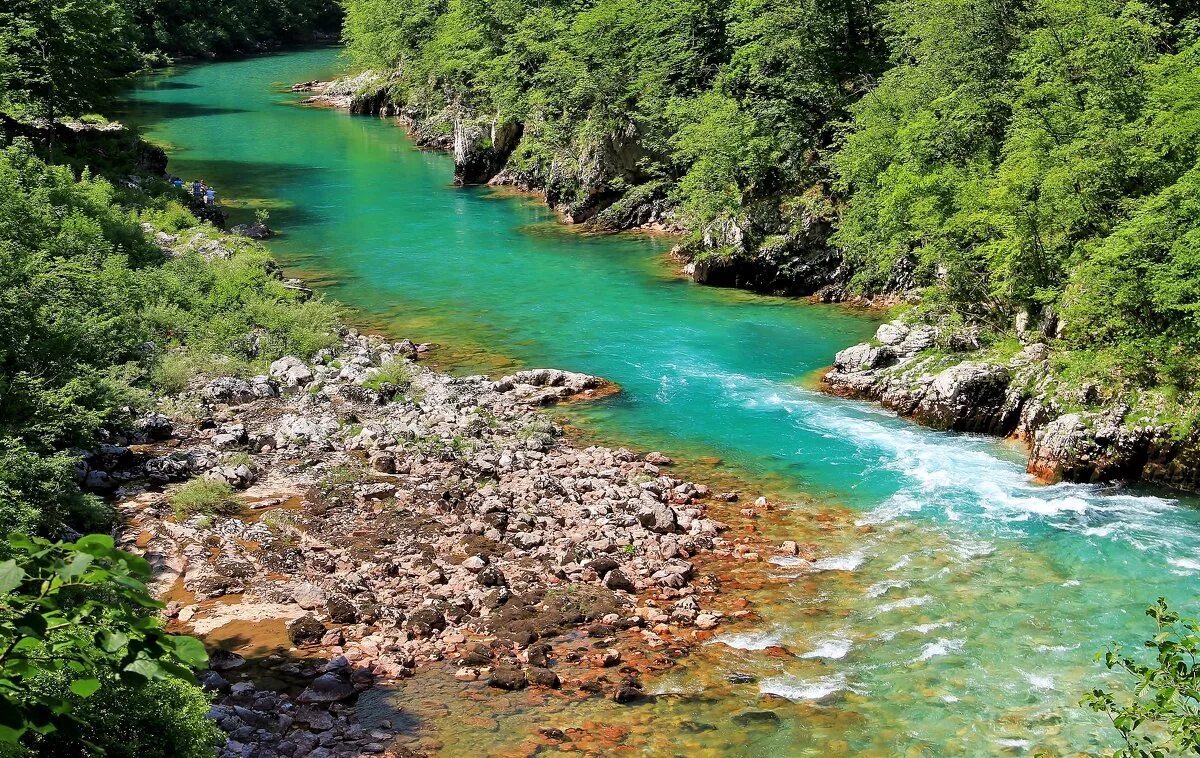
column 85, row 687
column 11, row 576
column 189, row 650
column 111, row 642
column 146, row 669
column 96, row 544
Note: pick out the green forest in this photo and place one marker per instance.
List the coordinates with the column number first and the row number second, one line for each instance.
column 988, row 161
column 998, row 157
column 98, row 323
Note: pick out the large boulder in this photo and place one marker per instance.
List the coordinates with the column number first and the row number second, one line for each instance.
column 968, row 397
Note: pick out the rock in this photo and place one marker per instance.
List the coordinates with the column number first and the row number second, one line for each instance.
column 425, row 620
column 291, row 371
column 507, row 678
column 154, row 426
column 383, row 462
column 658, row 459
column 659, row 518
column 968, row 397
column 474, row 564
column 626, row 693
column 466, row 674
column 231, row 390
column 861, row 358
column 305, row 630
column 255, row 231
column 490, row 576
column 542, row 677
column 341, row 609
column 327, row 688
column 617, row 580
column 892, row 333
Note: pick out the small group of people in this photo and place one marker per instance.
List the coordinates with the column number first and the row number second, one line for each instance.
column 201, row 192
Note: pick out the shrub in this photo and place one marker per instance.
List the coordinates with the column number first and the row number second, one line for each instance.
column 397, row 372
column 203, row 496
column 1166, row 691
column 77, row 619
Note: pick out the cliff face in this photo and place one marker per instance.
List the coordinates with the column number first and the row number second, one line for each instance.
column 947, row 381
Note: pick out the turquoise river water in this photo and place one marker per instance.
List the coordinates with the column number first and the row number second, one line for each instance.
column 956, row 605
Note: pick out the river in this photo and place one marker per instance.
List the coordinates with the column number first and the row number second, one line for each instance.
column 956, row 605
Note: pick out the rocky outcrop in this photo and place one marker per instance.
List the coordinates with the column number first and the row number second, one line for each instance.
column 481, row 149
column 958, row 391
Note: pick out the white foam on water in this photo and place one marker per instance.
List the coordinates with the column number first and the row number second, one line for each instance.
column 879, row 589
column 750, row 640
column 968, row 478
column 832, row 649
column 942, row 647
column 839, row 563
column 795, row 689
column 1038, row 681
column 1012, row 743
column 787, row 561
column 1055, row 648
column 1189, row 564
column 895, row 605
column 904, row 561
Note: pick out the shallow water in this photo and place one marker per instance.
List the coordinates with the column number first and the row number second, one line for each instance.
column 956, row 605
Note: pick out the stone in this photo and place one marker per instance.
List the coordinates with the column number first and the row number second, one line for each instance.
column 341, row 609
column 305, row 629
column 617, row 580
column 327, row 688
column 507, row 678
column 659, row 518
column 542, row 677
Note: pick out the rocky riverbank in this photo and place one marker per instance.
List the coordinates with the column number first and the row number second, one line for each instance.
column 948, row 380
column 373, row 518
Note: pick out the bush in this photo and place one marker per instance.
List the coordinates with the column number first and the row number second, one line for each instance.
column 77, row 620
column 396, row 372
column 1166, row 691
column 204, row 496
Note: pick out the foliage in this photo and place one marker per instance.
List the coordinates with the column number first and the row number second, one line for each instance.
column 205, row 27
column 78, row 610
column 206, row 496
column 62, row 55
column 1166, row 692
column 92, row 316
column 167, row 718
column 726, row 100
column 1040, row 156
column 398, row 373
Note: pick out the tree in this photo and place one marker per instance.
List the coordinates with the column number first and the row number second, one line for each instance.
column 1166, row 693
column 62, row 56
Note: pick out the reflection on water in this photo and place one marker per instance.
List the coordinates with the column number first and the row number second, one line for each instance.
column 953, row 605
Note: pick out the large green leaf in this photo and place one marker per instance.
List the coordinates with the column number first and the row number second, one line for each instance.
column 11, row 576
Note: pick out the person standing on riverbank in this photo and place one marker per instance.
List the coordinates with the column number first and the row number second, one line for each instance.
column 210, row 197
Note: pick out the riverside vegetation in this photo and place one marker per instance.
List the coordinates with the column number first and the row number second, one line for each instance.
column 1009, row 173
column 1045, row 180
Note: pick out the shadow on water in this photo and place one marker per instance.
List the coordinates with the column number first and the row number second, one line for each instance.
column 152, row 112
column 169, row 84
column 255, row 653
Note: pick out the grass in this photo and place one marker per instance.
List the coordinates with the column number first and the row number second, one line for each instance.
column 203, row 496
column 397, row 372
